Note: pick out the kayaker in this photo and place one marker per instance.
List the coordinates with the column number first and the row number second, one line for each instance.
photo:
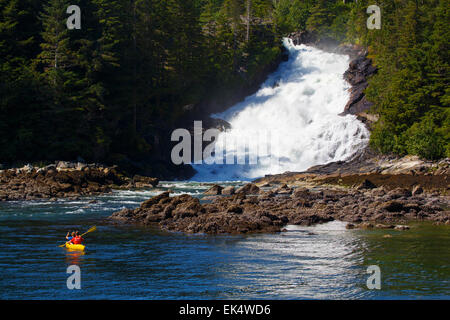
column 77, row 239
column 70, row 236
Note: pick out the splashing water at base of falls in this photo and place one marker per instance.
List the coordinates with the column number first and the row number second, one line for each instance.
column 293, row 120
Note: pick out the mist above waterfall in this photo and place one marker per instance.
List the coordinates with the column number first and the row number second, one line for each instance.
column 293, row 120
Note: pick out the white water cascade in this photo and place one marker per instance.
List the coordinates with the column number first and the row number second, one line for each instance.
column 292, row 120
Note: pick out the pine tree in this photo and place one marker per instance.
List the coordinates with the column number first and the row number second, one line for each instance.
column 57, row 58
column 19, row 97
column 319, row 18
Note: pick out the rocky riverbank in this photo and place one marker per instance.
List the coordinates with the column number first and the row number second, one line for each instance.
column 65, row 180
column 313, row 198
column 370, row 168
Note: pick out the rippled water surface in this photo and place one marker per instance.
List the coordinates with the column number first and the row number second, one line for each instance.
column 129, row 262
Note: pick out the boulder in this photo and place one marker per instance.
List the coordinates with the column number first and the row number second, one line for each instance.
column 301, row 193
column 399, row 193
column 384, row 226
column 366, row 225
column 392, row 206
column 80, row 166
column 27, row 169
column 366, row 184
column 284, row 189
column 190, row 208
column 150, row 202
column 235, row 209
column 417, row 190
column 249, row 188
column 64, row 165
column 214, row 190
column 228, row 191
column 144, row 182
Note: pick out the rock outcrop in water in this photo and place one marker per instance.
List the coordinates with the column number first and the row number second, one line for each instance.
column 65, row 180
column 271, row 210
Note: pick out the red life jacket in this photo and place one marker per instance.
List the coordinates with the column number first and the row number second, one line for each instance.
column 77, row 240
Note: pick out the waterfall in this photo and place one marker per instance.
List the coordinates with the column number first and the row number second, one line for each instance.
column 292, row 122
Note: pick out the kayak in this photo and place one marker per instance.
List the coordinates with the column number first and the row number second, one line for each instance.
column 78, row 247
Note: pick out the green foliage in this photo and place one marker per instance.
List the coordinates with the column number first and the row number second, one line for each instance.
column 410, row 91
column 423, row 139
column 113, row 89
column 291, row 15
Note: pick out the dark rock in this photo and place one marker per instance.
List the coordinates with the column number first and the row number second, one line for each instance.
column 360, row 69
column 214, row 190
column 190, row 208
column 302, row 37
column 235, row 209
column 366, row 225
column 145, row 182
column 152, row 201
column 210, row 198
column 284, row 189
column 366, row 184
column 215, row 123
column 301, row 193
column 392, row 206
column 417, row 190
column 249, row 188
column 228, row 191
column 399, row 193
column 384, row 226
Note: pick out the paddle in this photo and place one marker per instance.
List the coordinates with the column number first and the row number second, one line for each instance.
column 90, row 230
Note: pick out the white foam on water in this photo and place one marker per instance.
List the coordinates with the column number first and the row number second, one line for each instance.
column 293, row 119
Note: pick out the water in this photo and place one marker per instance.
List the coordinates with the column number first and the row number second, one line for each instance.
column 129, row 262
column 291, row 123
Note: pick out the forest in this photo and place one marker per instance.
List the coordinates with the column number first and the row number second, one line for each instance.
column 113, row 90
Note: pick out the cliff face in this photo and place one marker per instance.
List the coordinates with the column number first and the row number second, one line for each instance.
column 360, row 69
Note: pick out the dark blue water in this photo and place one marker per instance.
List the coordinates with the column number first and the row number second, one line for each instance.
column 129, row 262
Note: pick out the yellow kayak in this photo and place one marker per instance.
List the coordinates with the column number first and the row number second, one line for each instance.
column 78, row 247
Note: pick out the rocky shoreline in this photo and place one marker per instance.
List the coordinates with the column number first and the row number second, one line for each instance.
column 270, row 208
column 367, row 192
column 65, row 180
